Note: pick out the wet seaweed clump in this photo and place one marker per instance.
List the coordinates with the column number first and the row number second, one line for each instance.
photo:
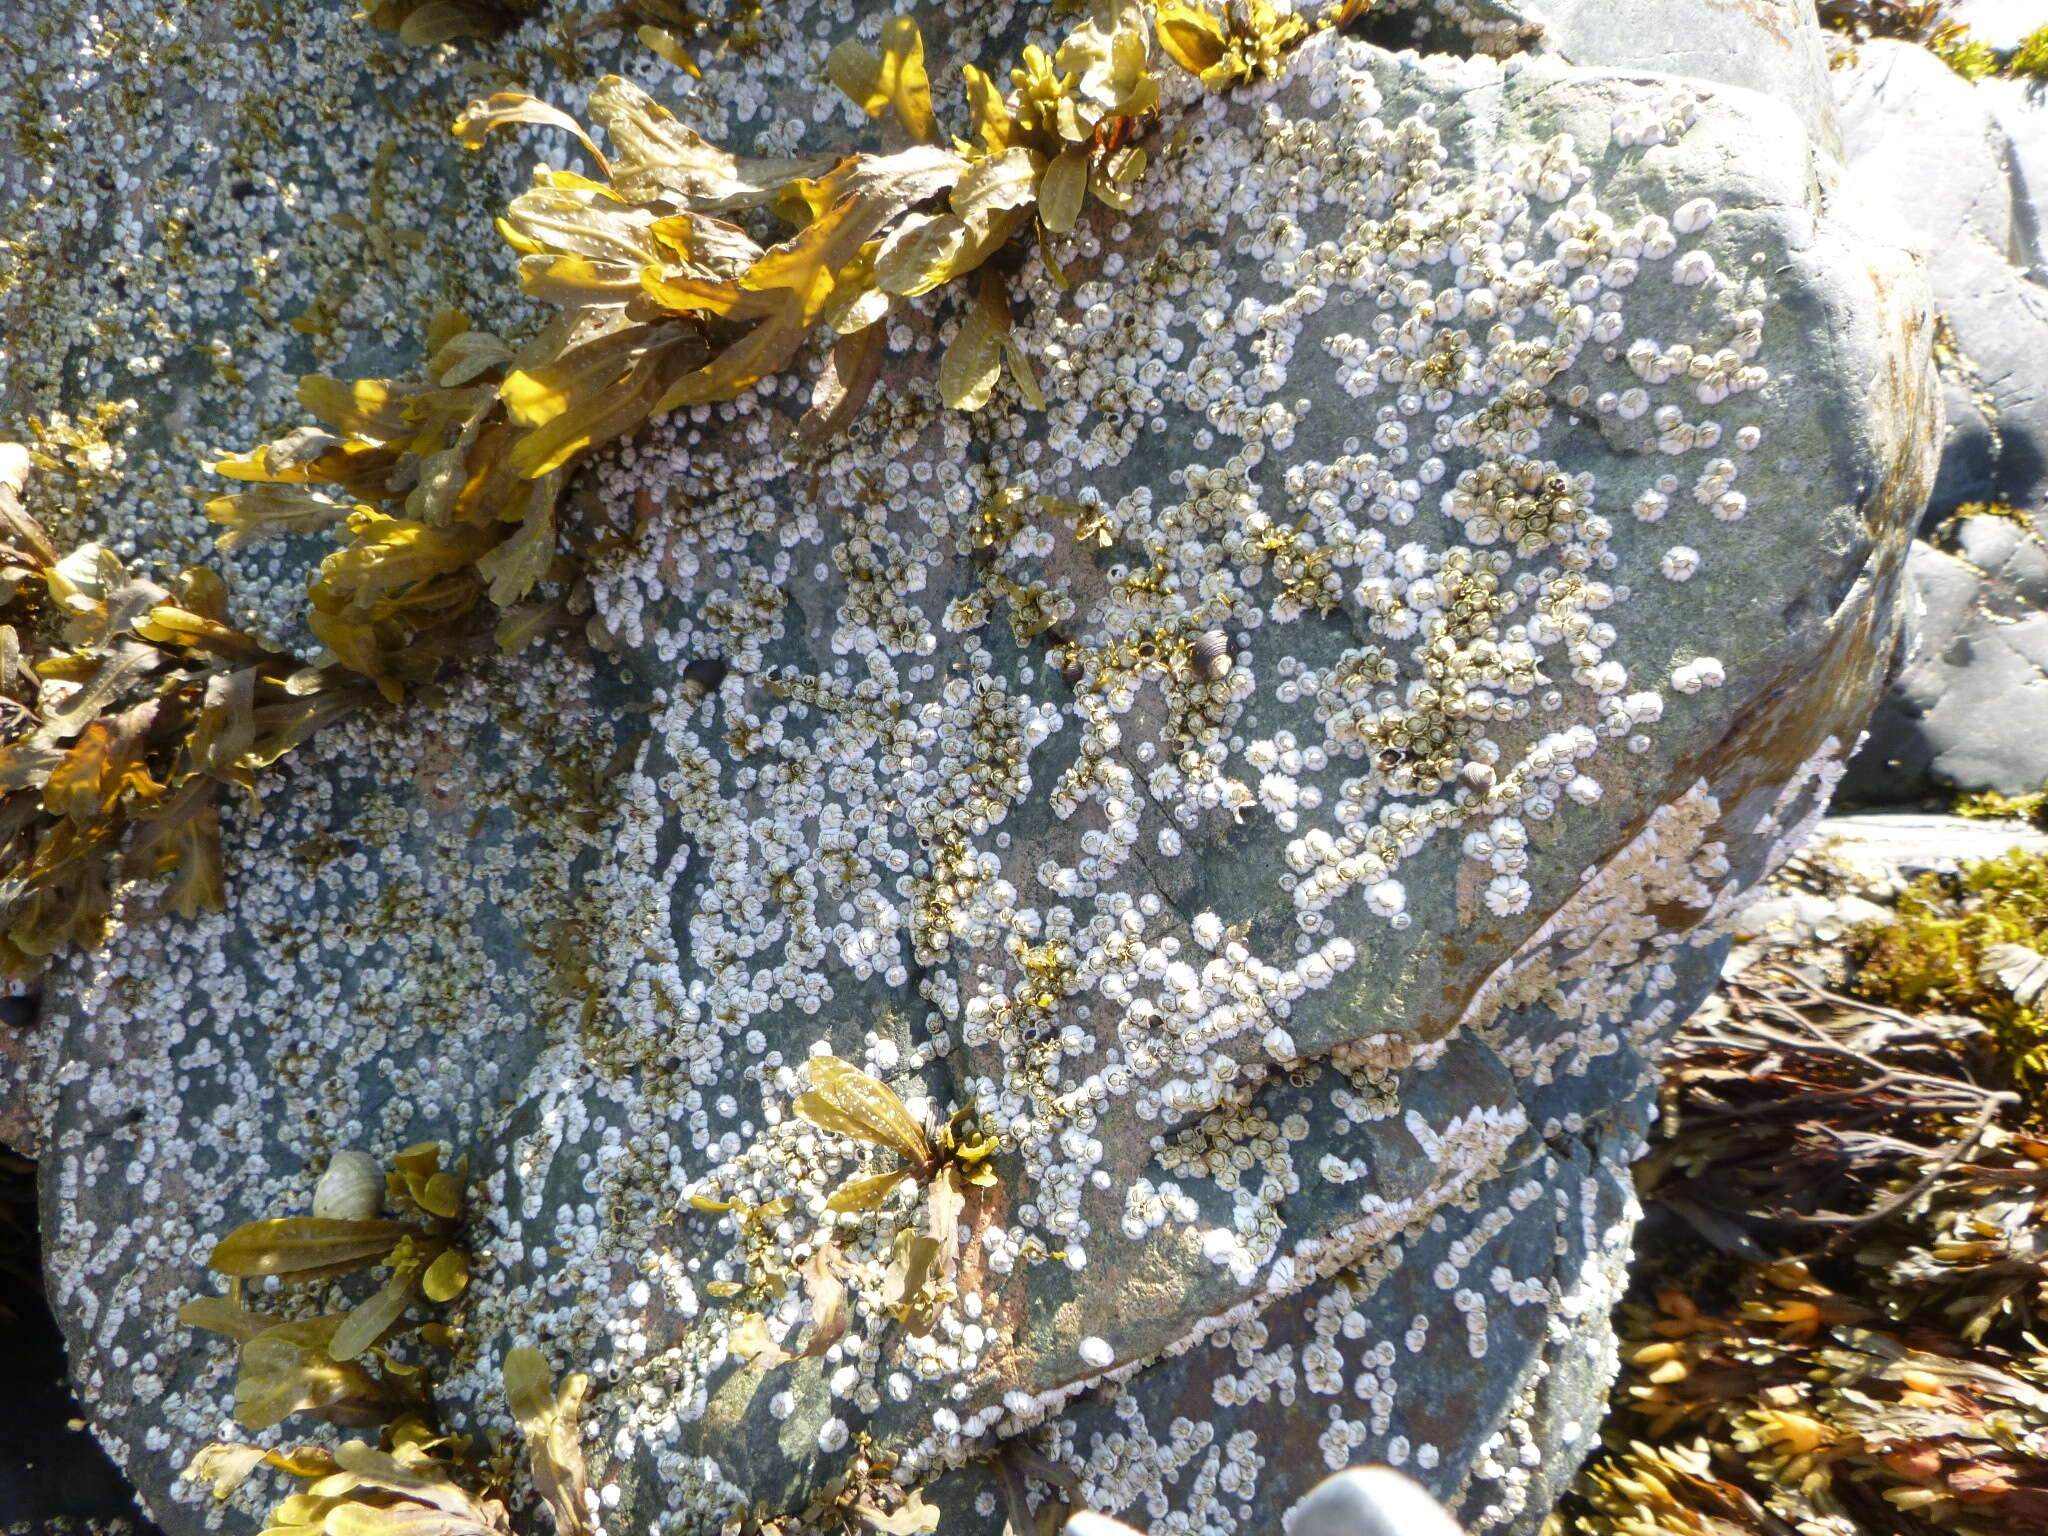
column 944, row 1161
column 1928, row 23
column 130, row 711
column 334, row 1364
column 682, row 275
column 418, row 1481
column 343, row 1366
column 1970, row 943
column 675, row 287
column 2029, row 61
column 906, row 1257
column 1836, row 1321
column 1990, row 805
column 1246, row 40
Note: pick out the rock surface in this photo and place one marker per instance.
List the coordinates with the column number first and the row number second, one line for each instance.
column 1886, row 851
column 1858, row 862
column 1772, row 46
column 1967, row 169
column 1968, row 708
column 1542, row 441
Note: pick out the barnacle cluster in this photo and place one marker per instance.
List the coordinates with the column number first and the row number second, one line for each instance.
column 666, row 300
column 862, row 1499
column 444, row 489
column 1136, row 775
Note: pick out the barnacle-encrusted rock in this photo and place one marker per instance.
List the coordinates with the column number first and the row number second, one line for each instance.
column 1773, row 46
column 1963, row 164
column 1545, row 442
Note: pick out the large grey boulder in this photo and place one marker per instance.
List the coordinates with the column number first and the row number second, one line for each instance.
column 1968, row 708
column 1966, row 167
column 1540, row 446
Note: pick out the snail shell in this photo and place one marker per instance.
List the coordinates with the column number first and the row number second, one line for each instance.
column 1479, row 776
column 352, row 1188
column 703, row 675
column 1213, row 655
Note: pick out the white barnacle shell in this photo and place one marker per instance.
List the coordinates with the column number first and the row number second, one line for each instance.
column 1702, row 672
column 1694, row 216
column 1507, row 895
column 1693, row 269
column 352, row 1188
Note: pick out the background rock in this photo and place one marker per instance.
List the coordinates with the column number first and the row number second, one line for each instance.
column 1964, row 166
column 1886, row 851
column 584, row 925
column 1772, row 46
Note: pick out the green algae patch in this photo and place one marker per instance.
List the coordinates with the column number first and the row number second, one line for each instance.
column 1948, row 949
column 1992, row 806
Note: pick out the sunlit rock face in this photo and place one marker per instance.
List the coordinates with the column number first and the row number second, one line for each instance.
column 1286, row 787
column 1962, row 165
column 1772, row 46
